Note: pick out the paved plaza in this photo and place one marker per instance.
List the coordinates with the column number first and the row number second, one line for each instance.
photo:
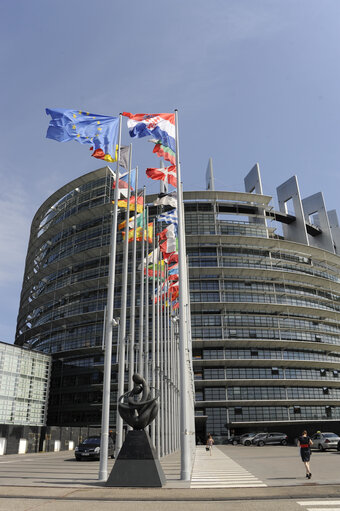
column 233, row 477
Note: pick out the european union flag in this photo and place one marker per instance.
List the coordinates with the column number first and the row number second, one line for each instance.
column 100, row 131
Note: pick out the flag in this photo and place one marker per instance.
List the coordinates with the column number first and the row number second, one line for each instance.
column 171, row 258
column 123, row 181
column 161, row 126
column 139, row 233
column 173, row 291
column 169, row 217
column 166, row 199
column 168, row 174
column 99, row 131
column 135, row 221
column 123, row 156
column 149, row 259
column 173, row 270
column 168, row 232
column 140, row 203
column 163, row 151
column 170, row 245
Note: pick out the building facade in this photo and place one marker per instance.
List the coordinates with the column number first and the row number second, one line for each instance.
column 264, row 297
column 24, row 385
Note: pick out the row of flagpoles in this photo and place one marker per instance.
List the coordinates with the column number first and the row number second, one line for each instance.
column 169, row 351
column 164, row 354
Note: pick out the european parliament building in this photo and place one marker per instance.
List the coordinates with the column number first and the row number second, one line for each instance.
column 264, row 297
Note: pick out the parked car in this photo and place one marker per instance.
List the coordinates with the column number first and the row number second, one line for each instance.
column 324, row 441
column 235, row 439
column 90, row 449
column 247, row 438
column 274, row 438
column 257, row 437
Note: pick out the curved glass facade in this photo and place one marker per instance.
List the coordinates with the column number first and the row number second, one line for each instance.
column 265, row 321
column 265, row 309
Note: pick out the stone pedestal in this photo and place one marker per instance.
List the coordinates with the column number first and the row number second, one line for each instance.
column 137, row 464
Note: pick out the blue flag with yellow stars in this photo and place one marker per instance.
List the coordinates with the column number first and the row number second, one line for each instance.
column 100, row 131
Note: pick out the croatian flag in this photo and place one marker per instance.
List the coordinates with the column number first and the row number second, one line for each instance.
column 160, row 126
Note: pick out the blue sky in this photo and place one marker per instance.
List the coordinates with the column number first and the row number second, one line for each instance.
column 253, row 80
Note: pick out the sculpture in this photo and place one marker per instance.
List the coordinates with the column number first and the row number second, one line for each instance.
column 138, row 413
column 137, row 464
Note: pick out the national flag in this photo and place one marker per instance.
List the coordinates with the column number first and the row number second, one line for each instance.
column 166, row 199
column 158, row 269
column 173, row 270
column 123, row 156
column 170, row 245
column 149, row 259
column 101, row 131
column 140, row 203
column 139, row 233
column 168, row 174
column 135, row 221
column 171, row 258
column 123, row 182
column 168, row 232
column 163, row 151
column 161, row 126
column 174, row 291
column 169, row 217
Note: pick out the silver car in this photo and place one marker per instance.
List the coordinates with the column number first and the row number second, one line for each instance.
column 247, row 438
column 324, row 441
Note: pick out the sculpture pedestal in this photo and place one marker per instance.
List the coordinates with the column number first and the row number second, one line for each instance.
column 137, row 464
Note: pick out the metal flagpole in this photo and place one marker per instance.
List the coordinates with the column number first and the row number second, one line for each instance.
column 133, row 294
column 122, row 329
column 153, row 334
column 186, row 454
column 105, row 424
column 146, row 345
column 158, row 379
column 141, row 298
column 162, row 422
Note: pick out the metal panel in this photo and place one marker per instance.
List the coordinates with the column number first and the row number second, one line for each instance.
column 296, row 231
column 335, row 229
column 315, row 205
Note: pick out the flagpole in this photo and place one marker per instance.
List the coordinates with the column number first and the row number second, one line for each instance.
column 141, row 297
column 146, row 345
column 133, row 294
column 158, row 379
column 122, row 329
column 186, row 433
column 153, row 334
column 105, row 422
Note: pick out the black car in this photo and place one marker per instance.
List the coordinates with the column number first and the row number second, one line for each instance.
column 234, row 439
column 271, row 439
column 89, row 449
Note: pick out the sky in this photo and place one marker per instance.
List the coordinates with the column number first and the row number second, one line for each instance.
column 253, row 81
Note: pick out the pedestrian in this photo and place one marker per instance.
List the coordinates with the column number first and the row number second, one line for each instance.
column 210, row 443
column 305, row 444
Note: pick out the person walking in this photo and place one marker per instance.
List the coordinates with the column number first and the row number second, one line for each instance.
column 305, row 444
column 210, row 443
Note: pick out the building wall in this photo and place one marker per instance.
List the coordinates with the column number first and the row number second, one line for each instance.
column 264, row 309
column 265, row 322
column 24, row 385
